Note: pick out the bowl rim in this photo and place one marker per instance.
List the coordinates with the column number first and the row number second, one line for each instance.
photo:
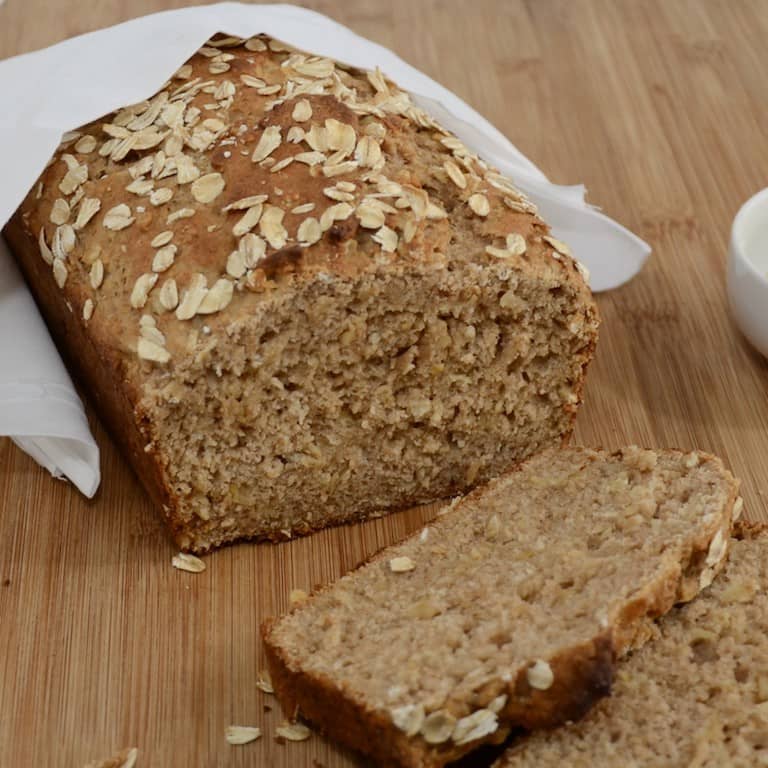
column 737, row 247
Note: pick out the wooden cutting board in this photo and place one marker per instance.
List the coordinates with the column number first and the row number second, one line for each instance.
column 660, row 107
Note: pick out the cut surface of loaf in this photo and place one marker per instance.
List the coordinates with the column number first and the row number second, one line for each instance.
column 696, row 696
column 510, row 609
column 297, row 300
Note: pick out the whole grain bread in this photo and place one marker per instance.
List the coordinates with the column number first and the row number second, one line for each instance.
column 297, row 300
column 510, row 610
column 696, row 697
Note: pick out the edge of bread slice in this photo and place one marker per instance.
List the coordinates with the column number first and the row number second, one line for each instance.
column 696, row 696
column 510, row 609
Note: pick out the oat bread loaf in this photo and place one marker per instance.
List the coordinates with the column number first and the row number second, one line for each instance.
column 696, row 697
column 297, row 300
column 509, row 610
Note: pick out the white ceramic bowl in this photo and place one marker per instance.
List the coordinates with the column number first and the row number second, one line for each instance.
column 748, row 270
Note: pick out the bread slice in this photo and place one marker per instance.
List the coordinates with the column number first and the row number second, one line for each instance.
column 697, row 696
column 510, row 609
column 301, row 303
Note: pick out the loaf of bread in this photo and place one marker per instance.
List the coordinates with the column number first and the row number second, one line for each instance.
column 297, row 300
column 696, row 697
column 510, row 610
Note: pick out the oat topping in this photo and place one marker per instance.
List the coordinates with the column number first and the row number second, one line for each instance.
column 293, row 731
column 284, row 163
column 241, row 734
column 264, row 682
column 401, row 564
column 140, row 186
column 181, row 213
column 89, row 207
column 309, row 231
column 582, row 269
column 162, row 238
column 371, row 216
column 85, row 145
column 60, row 211
column 149, row 350
column 333, row 213
column 45, row 251
column 540, row 675
column 169, row 296
column 558, row 245
column 479, row 204
column 164, row 258
column 141, row 288
column 207, row 188
column 59, row 272
column 717, row 548
column 295, row 134
column 248, row 221
column 255, row 44
column 161, row 196
column 472, row 727
column 118, row 218
column 302, row 111
column 74, row 177
column 96, row 276
column 387, row 238
column 271, row 226
column 498, row 704
column 192, row 297
column 126, row 758
column 217, row 297
column 438, row 727
column 161, row 143
column 236, row 264
column 455, row 174
column 253, row 249
column 270, row 140
column 186, row 562
column 64, row 240
column 245, row 202
column 409, row 718
column 310, row 158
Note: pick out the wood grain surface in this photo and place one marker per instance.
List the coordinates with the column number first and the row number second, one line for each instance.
column 660, row 108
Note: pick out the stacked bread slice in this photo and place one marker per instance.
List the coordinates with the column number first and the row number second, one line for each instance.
column 509, row 611
column 697, row 696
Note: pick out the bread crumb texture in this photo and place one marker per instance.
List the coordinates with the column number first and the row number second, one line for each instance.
column 521, row 597
column 696, row 696
column 321, row 304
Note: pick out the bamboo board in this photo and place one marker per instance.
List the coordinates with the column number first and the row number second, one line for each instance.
column 660, row 107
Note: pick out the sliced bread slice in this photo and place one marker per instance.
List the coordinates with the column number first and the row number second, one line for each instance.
column 695, row 697
column 507, row 611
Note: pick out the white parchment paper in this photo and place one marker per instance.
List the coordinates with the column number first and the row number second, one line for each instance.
column 62, row 87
